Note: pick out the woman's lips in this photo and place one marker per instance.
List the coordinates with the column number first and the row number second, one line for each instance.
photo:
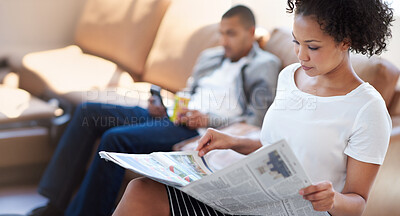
column 306, row 68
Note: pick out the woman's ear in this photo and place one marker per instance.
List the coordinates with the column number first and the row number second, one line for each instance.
column 346, row 43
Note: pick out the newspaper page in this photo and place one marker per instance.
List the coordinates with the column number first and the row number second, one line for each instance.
column 173, row 168
column 265, row 182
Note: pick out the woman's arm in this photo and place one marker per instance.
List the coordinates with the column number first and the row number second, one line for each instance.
column 214, row 139
column 353, row 198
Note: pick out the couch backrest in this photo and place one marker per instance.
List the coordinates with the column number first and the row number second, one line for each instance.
column 280, row 44
column 188, row 28
column 122, row 31
column 380, row 73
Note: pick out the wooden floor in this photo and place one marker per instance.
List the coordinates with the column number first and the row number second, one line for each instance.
column 19, row 199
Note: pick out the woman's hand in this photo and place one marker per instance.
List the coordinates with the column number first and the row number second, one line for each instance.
column 321, row 195
column 193, row 119
column 214, row 139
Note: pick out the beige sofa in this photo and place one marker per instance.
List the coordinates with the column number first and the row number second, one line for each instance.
column 116, row 42
column 121, row 47
column 119, row 44
column 154, row 41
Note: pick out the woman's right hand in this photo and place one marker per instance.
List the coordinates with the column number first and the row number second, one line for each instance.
column 214, row 139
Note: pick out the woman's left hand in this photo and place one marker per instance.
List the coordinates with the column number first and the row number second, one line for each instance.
column 321, row 195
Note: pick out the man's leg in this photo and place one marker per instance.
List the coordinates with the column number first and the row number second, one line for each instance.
column 68, row 164
column 101, row 185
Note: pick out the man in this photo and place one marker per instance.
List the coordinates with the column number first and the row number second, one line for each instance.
column 233, row 82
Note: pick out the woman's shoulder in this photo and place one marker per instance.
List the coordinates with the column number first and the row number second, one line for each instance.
column 370, row 101
column 368, row 93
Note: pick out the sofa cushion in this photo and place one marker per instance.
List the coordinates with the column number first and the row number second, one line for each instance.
column 378, row 72
column 222, row 157
column 187, row 29
column 121, row 31
column 59, row 71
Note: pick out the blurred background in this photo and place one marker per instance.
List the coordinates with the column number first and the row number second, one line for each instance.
column 33, row 25
column 30, row 26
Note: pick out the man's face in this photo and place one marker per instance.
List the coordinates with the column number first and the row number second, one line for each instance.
column 236, row 38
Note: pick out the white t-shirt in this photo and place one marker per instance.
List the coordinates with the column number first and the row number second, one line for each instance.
column 323, row 131
column 217, row 93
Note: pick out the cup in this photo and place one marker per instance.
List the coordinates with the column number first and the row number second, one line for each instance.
column 181, row 100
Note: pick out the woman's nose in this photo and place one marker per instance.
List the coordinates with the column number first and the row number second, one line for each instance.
column 302, row 54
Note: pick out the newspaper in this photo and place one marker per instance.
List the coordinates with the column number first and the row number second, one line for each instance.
column 265, row 182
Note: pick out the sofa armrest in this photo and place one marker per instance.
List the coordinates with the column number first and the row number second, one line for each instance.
column 18, row 106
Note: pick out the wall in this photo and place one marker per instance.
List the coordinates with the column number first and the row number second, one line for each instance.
column 32, row 25
column 393, row 50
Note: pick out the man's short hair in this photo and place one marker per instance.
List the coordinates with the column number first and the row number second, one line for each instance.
column 245, row 14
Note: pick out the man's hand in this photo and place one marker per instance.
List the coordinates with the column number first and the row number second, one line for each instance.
column 193, row 119
column 155, row 111
column 321, row 195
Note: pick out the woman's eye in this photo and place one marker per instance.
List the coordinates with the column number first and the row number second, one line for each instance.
column 313, row 48
column 309, row 47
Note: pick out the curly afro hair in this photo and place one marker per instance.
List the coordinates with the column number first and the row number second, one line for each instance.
column 365, row 23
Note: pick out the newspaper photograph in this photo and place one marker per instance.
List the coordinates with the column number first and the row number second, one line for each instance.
column 187, row 162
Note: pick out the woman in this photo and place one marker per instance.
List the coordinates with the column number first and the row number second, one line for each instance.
column 337, row 125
